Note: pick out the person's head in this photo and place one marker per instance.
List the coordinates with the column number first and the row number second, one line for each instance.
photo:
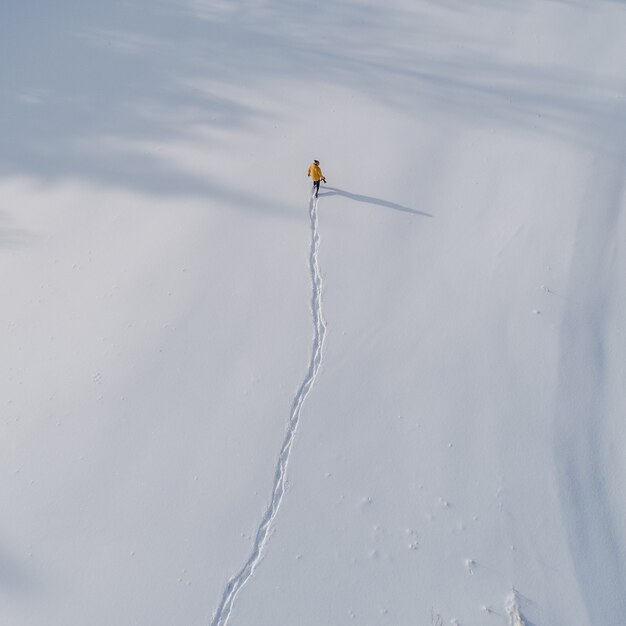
column 316, row 162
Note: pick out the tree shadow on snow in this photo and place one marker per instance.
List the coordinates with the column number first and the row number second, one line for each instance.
column 106, row 92
column 333, row 191
column 11, row 238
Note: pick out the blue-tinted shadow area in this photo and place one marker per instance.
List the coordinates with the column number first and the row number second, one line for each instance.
column 333, row 191
column 15, row 578
column 79, row 75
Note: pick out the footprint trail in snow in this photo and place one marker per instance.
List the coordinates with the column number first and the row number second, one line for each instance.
column 236, row 583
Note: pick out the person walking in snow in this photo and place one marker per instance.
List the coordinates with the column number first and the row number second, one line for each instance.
column 315, row 172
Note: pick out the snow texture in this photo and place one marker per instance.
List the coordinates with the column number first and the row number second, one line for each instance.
column 513, row 611
column 278, row 490
column 188, row 438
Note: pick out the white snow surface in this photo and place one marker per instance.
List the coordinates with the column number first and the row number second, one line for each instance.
column 446, row 324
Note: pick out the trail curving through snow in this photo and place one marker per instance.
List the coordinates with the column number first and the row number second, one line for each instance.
column 236, row 583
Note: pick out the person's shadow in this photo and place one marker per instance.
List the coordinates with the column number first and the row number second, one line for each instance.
column 333, row 191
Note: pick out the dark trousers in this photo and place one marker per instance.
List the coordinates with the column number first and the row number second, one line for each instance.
column 316, row 187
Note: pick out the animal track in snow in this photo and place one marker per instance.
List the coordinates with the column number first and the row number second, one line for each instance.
column 236, row 583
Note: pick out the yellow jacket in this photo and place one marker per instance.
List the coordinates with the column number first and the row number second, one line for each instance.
column 315, row 172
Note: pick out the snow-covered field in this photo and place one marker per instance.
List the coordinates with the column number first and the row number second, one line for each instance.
column 402, row 405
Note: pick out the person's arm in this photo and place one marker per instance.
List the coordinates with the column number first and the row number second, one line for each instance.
column 308, row 172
